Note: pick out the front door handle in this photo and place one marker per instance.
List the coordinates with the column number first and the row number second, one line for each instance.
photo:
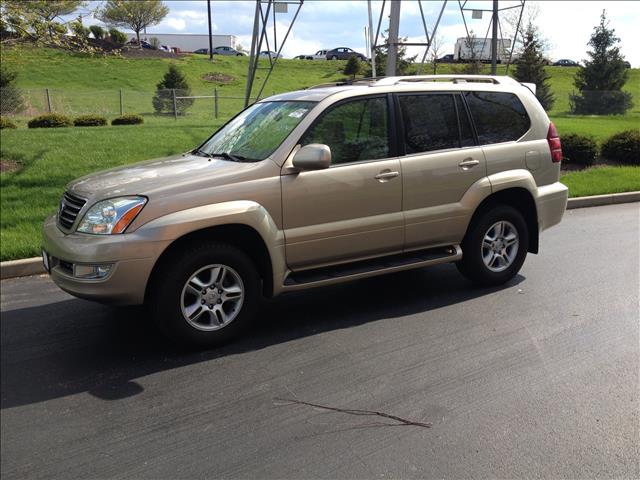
column 468, row 163
column 386, row 175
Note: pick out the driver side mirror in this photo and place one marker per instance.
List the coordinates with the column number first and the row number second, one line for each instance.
column 314, row 156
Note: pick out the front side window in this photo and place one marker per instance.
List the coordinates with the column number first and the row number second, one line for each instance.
column 498, row 116
column 430, row 122
column 256, row 132
column 354, row 131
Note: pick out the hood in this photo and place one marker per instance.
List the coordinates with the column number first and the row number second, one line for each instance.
column 160, row 175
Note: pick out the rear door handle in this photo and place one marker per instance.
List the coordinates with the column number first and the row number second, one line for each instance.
column 386, row 175
column 468, row 163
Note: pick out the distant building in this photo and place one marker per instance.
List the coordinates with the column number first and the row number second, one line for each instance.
column 188, row 42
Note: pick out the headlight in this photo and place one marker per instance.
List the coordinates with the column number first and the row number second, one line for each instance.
column 111, row 216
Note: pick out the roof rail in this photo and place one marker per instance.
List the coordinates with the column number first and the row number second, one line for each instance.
column 497, row 80
column 341, row 83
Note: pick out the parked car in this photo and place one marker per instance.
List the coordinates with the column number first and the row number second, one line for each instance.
column 343, row 53
column 319, row 55
column 267, row 53
column 446, row 59
column 202, row 51
column 227, row 51
column 143, row 43
column 564, row 62
column 309, row 188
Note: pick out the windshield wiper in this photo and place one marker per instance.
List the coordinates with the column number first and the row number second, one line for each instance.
column 229, row 156
column 197, row 151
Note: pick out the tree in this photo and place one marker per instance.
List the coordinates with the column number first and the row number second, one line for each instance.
column 472, row 64
column 11, row 100
column 352, row 67
column 33, row 21
column 134, row 14
column 172, row 81
column 49, row 10
column 437, row 45
column 509, row 22
column 602, row 77
column 402, row 61
column 530, row 68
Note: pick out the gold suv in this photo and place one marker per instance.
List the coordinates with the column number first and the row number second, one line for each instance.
column 311, row 188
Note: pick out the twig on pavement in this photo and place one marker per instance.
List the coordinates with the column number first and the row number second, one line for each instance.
column 354, row 411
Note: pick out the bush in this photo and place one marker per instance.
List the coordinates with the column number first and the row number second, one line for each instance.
column 117, row 37
column 4, row 123
column 79, row 30
column 173, row 80
column 11, row 100
column 155, row 43
column 127, row 120
column 50, row 120
column 90, row 121
column 97, row 31
column 579, row 149
column 623, row 147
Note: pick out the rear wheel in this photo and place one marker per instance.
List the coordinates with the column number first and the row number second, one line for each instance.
column 495, row 246
column 205, row 295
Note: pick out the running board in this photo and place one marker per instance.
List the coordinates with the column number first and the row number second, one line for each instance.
column 375, row 266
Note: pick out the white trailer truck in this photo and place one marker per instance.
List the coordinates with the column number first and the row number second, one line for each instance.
column 465, row 48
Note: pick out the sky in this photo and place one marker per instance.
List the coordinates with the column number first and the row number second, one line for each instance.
column 566, row 25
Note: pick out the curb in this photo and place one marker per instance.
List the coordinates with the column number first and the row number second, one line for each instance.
column 598, row 200
column 21, row 268
column 34, row 266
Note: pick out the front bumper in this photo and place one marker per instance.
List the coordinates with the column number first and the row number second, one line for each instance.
column 551, row 203
column 131, row 255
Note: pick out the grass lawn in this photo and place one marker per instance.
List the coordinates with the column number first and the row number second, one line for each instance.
column 79, row 84
column 602, row 180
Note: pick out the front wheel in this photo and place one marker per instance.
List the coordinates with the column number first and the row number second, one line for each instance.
column 205, row 295
column 495, row 246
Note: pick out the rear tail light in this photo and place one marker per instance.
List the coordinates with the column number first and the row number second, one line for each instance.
column 554, row 143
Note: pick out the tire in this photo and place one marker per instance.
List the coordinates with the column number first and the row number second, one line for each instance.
column 176, row 305
column 480, row 263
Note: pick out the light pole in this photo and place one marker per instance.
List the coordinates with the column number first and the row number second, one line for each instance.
column 210, row 32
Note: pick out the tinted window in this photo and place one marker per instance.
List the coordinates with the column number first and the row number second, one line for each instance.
column 499, row 117
column 354, row 131
column 466, row 134
column 430, row 122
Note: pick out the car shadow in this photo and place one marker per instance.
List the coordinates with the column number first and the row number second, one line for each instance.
column 75, row 346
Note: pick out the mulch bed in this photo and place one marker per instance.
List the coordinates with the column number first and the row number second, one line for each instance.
column 9, row 166
column 217, row 77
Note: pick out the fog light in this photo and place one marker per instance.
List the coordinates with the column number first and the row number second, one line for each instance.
column 91, row 271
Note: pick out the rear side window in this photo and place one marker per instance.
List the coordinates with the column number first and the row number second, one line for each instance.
column 430, row 122
column 499, row 116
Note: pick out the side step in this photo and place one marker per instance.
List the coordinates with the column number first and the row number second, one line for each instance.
column 371, row 267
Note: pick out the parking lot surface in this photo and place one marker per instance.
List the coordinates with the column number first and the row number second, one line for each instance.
column 539, row 378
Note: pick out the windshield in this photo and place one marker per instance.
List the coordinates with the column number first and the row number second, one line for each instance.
column 256, row 132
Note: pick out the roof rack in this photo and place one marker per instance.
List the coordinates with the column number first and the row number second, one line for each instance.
column 496, row 80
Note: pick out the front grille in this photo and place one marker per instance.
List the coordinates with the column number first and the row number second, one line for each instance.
column 70, row 206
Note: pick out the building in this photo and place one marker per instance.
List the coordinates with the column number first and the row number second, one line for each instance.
column 188, row 42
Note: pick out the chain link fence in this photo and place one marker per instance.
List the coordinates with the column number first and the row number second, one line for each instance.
column 175, row 104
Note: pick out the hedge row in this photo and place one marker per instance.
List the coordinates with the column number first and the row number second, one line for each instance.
column 623, row 147
column 55, row 120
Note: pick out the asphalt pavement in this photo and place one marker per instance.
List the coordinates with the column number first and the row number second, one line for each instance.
column 537, row 379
